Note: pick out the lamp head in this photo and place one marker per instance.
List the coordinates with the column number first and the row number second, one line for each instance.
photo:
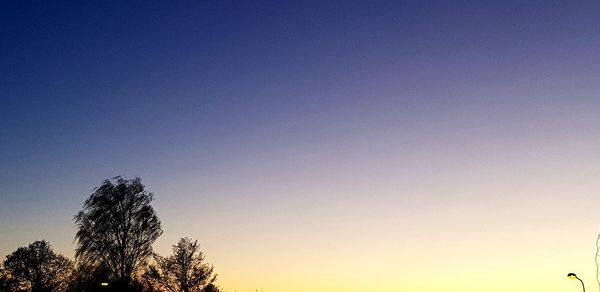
column 572, row 276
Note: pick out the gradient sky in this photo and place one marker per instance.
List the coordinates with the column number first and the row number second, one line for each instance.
column 316, row 146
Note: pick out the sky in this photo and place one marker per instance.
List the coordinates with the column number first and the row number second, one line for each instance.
column 316, row 146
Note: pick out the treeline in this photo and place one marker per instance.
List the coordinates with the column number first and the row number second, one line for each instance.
column 115, row 232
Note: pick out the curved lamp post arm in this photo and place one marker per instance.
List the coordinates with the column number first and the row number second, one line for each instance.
column 582, row 285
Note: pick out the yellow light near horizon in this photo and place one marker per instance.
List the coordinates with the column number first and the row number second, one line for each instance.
column 103, row 284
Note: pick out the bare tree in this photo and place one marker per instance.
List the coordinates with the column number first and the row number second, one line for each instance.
column 37, row 268
column 184, row 271
column 116, row 229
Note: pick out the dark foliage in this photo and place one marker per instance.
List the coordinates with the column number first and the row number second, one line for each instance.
column 211, row 288
column 3, row 280
column 36, row 268
column 184, row 271
column 89, row 279
column 116, row 229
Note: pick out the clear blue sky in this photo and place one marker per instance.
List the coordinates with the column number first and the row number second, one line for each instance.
column 287, row 121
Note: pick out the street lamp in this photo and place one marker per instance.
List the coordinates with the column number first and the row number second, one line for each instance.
column 573, row 277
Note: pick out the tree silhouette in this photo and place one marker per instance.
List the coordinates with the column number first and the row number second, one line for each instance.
column 37, row 268
column 116, row 229
column 184, row 271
